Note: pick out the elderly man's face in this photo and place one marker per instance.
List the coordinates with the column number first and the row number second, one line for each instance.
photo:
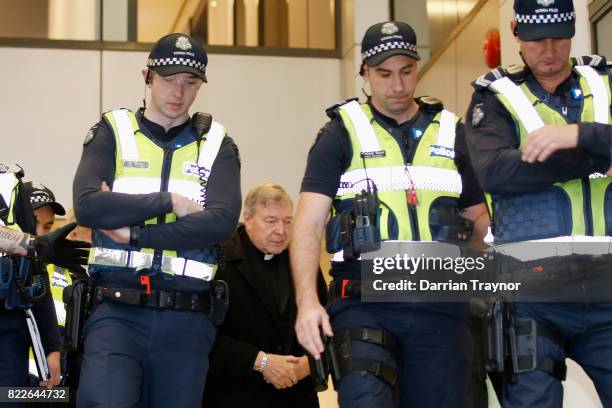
column 270, row 227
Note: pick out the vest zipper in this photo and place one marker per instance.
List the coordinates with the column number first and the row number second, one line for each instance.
column 161, row 219
column 586, row 207
column 412, row 214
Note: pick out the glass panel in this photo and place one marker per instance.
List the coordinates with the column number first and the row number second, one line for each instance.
column 53, row 19
column 603, row 31
column 432, row 20
column 253, row 23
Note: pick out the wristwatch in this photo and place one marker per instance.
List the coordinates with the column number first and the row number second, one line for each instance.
column 263, row 363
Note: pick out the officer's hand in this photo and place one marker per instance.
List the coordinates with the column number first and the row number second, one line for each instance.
column 310, row 317
column 55, row 248
column 279, row 371
column 182, row 206
column 53, row 361
column 119, row 235
column 548, row 139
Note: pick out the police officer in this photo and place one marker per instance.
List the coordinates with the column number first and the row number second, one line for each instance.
column 22, row 287
column 45, row 209
column 539, row 138
column 419, row 352
column 162, row 191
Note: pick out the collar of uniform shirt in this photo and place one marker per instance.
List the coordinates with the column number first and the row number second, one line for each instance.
column 159, row 132
column 388, row 121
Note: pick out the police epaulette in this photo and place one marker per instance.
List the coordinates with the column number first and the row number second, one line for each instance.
column 515, row 72
column 332, row 111
column 596, row 61
column 12, row 168
column 483, row 81
column 430, row 104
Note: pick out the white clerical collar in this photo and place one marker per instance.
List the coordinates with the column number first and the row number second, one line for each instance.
column 267, row 257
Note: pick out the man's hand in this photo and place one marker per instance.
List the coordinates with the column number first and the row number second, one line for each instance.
column 280, row 371
column 55, row 248
column 302, row 368
column 182, row 206
column 119, row 235
column 53, row 361
column 310, row 317
column 548, row 139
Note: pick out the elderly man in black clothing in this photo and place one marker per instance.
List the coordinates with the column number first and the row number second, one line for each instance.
column 256, row 360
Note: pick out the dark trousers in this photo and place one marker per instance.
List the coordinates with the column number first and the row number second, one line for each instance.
column 144, row 357
column 433, row 359
column 14, row 344
column 588, row 330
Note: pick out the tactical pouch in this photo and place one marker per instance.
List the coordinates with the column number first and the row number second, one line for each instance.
column 77, row 298
column 219, row 301
column 523, row 344
column 339, row 235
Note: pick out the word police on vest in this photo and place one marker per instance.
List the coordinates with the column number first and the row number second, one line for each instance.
column 441, row 151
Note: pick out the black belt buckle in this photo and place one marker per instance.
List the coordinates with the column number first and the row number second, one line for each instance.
column 220, row 301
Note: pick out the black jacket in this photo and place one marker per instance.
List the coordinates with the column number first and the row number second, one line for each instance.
column 254, row 322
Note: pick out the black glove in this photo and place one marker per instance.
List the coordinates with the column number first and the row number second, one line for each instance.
column 63, row 252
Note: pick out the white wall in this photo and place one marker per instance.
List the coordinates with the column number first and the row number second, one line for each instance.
column 271, row 106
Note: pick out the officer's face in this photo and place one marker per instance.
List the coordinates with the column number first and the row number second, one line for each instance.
column 270, row 226
column 392, row 84
column 548, row 57
column 172, row 95
column 44, row 220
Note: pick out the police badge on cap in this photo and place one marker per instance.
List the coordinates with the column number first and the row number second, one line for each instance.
column 538, row 19
column 176, row 53
column 384, row 40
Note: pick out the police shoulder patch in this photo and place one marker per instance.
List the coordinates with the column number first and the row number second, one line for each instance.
column 477, row 114
column 91, row 134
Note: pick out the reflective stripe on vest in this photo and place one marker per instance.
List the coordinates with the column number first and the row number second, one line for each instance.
column 365, row 131
column 401, row 178
column 519, row 102
column 598, row 90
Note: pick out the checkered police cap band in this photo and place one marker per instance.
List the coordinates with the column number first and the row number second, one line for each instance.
column 544, row 18
column 175, row 61
column 388, row 46
column 40, row 199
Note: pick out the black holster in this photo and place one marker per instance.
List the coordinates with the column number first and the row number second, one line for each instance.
column 77, row 298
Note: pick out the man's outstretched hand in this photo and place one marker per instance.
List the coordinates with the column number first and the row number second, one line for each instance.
column 55, row 248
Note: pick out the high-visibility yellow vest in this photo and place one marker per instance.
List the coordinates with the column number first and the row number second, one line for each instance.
column 377, row 159
column 571, row 208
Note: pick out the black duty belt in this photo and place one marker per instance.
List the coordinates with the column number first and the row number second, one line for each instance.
column 160, row 299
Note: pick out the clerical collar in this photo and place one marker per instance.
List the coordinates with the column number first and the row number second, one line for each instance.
column 267, row 257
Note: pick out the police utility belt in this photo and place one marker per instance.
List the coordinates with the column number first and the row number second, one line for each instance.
column 139, row 260
column 161, row 299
